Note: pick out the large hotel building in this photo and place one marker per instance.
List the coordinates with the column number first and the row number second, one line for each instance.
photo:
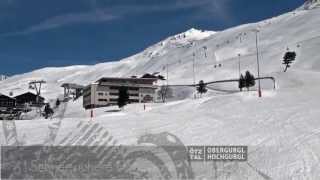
column 105, row 91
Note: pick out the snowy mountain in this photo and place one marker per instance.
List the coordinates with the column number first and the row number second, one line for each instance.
column 310, row 4
column 281, row 129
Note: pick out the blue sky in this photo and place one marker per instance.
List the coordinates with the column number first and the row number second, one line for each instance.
column 41, row 33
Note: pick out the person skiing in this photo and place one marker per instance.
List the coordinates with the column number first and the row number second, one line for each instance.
column 47, row 111
column 58, row 103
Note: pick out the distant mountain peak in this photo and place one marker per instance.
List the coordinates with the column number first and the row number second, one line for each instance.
column 184, row 39
column 193, row 30
column 193, row 34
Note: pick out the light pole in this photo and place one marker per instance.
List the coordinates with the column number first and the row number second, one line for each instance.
column 258, row 64
column 239, row 64
column 194, row 74
column 167, row 73
column 239, row 55
column 193, row 69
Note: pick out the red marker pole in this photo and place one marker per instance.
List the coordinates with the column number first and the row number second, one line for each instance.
column 260, row 94
column 91, row 113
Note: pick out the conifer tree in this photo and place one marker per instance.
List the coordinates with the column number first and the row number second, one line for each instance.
column 123, row 97
column 242, row 82
column 288, row 58
column 202, row 87
column 249, row 80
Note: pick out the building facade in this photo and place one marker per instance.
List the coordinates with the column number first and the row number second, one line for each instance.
column 105, row 91
column 7, row 102
column 29, row 98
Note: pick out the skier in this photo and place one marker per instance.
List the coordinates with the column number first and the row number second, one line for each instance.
column 47, row 111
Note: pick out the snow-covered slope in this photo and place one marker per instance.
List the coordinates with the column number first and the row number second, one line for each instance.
column 281, row 129
column 310, row 4
column 295, row 30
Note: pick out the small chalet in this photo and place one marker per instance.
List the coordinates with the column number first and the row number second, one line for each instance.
column 6, row 102
column 29, row 98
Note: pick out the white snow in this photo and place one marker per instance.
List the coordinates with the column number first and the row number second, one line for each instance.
column 282, row 129
column 310, row 4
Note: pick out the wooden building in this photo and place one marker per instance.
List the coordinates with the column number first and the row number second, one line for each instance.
column 7, row 102
column 105, row 91
column 29, row 98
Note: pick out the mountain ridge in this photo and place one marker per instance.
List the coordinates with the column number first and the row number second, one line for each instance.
column 177, row 52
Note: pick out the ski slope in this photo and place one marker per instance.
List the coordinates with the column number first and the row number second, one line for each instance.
column 282, row 129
